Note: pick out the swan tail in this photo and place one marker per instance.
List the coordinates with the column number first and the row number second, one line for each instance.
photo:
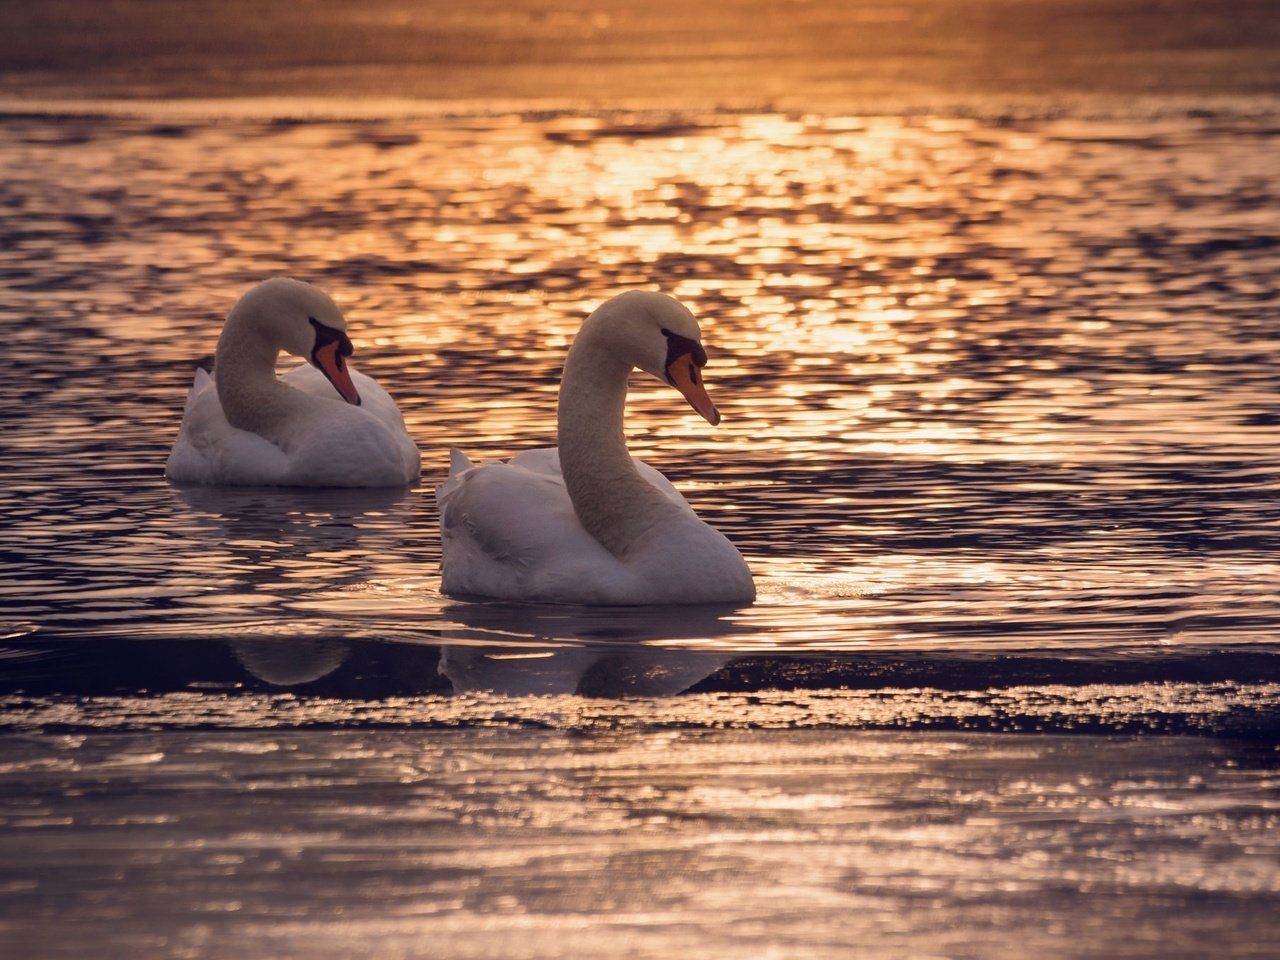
column 201, row 383
column 459, row 463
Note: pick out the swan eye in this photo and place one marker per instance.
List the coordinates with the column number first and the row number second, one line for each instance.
column 678, row 346
column 326, row 334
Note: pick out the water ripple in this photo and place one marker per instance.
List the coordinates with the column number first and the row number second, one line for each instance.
column 988, row 386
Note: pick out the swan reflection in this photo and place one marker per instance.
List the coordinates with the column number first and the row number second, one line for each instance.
column 284, row 662
column 274, row 508
column 587, row 671
column 592, row 651
column 560, row 622
column 270, row 552
column 274, row 533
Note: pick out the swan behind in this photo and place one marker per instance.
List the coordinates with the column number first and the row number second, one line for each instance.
column 320, row 425
column 585, row 522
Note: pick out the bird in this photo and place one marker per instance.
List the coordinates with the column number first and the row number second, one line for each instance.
column 585, row 523
column 321, row 424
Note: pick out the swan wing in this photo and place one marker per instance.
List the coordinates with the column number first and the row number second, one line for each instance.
column 508, row 530
column 210, row 450
column 374, row 401
column 335, row 444
column 366, row 445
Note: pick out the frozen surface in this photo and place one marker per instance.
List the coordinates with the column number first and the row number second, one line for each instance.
column 513, row 844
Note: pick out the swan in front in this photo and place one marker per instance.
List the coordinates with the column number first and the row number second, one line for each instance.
column 320, row 425
column 586, row 523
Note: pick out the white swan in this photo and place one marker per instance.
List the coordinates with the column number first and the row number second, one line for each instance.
column 321, row 425
column 586, row 523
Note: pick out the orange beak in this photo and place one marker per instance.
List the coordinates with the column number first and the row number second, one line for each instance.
column 329, row 358
column 684, row 375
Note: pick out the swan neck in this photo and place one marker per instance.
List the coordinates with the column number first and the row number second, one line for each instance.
column 245, row 370
column 614, row 503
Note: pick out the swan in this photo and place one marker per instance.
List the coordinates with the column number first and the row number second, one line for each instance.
column 586, row 523
column 320, row 425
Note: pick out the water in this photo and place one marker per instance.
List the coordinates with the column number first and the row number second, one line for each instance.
column 999, row 386
column 1000, row 445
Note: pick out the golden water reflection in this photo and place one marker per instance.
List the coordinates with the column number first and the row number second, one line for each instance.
column 981, row 379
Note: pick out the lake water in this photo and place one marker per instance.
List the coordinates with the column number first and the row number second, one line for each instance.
column 1000, row 443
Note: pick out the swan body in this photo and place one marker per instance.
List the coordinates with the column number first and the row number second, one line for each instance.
column 320, row 425
column 585, row 522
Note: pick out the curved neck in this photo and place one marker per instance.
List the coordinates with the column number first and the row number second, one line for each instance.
column 614, row 503
column 245, row 370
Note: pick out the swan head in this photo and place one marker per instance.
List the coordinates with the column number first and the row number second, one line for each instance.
column 659, row 335
column 302, row 320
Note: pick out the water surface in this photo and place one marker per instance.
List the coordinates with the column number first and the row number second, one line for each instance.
column 986, row 385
